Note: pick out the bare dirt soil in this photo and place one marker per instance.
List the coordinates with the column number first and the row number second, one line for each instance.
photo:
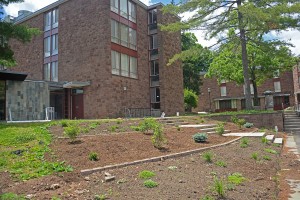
column 190, row 177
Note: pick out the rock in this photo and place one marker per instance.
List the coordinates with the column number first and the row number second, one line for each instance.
column 87, row 178
column 53, row 187
column 181, row 181
column 29, row 196
column 81, row 191
column 109, row 178
column 107, row 174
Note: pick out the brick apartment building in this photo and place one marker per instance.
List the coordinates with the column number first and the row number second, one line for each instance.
column 228, row 96
column 103, row 58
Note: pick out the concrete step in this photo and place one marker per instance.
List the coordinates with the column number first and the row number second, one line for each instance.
column 213, row 132
column 291, row 117
column 270, row 137
column 208, row 129
column 292, row 126
column 197, row 125
column 278, row 141
column 292, row 129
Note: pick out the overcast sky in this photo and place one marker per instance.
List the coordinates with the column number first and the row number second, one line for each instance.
column 33, row 5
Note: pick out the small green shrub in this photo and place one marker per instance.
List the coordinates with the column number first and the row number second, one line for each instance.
column 146, row 174
column 150, row 184
column 219, row 187
column 248, row 125
column 200, row 137
column 207, row 197
column 230, row 186
column 100, row 197
column 94, row 125
column 113, row 128
column 236, row 178
column 11, row 196
column 93, row 156
column 148, row 124
column 241, row 122
column 271, row 151
column 55, row 198
column 264, row 140
column 207, row 156
column 158, row 139
column 119, row 121
column 135, row 128
column 254, row 156
column 265, row 157
column 234, row 119
column 221, row 164
column 72, row 132
column 64, row 123
column 244, row 143
column 21, row 139
column 220, row 129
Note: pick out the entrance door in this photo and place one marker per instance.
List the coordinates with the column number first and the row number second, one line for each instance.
column 2, row 100
column 77, row 104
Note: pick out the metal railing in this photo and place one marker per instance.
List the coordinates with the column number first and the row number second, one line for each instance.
column 141, row 112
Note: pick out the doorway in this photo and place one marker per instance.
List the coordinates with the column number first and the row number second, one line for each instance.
column 77, row 104
column 2, row 100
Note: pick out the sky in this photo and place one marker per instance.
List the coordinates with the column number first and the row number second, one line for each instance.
column 291, row 36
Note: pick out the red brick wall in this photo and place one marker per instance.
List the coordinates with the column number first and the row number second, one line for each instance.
column 296, row 83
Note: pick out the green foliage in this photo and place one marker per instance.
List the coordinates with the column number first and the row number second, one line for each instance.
column 190, row 100
column 135, row 128
column 271, row 151
column 113, row 128
column 254, row 156
column 264, row 140
column 248, row 125
column 148, row 124
column 94, row 125
column 93, row 156
column 55, row 198
column 220, row 129
column 265, row 157
column 244, row 143
column 236, row 178
column 234, row 114
column 221, row 164
column 150, row 183
column 158, row 138
column 207, row 156
column 146, row 174
column 207, row 197
column 64, row 123
column 200, row 137
column 100, row 197
column 234, row 119
column 119, row 121
column 72, row 131
column 241, row 122
column 11, row 196
column 219, row 187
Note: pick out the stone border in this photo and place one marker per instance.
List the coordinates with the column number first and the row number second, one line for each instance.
column 154, row 159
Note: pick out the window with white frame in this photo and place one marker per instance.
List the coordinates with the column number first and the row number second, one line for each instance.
column 115, row 62
column 132, row 38
column 115, row 31
column 277, row 86
column 47, row 71
column 114, row 5
column 51, row 20
column 124, row 35
column 132, row 11
column 251, row 89
column 51, row 71
column 154, row 68
column 124, row 8
column 153, row 42
column 55, row 44
column 47, row 46
column 47, row 22
column 152, row 17
column 123, row 65
column 55, row 18
column 276, row 74
column 223, row 91
column 133, row 67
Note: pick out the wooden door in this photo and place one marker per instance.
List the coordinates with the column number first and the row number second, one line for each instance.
column 77, row 106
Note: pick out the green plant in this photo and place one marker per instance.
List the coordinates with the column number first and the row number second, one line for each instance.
column 207, row 156
column 55, row 198
column 207, row 197
column 264, row 140
column 220, row 128
column 254, row 156
column 146, row 174
column 265, row 157
column 241, row 122
column 230, row 186
column 113, row 128
column 244, row 143
column 94, row 125
column 148, row 124
column 190, row 100
column 221, row 164
column 234, row 119
column 135, row 128
column 200, row 137
column 271, row 151
column 64, row 123
column 100, row 197
column 248, row 125
column 158, row 138
column 150, row 184
column 93, row 156
column 72, row 131
column 219, row 187
column 236, row 178
column 11, row 196
column 178, row 128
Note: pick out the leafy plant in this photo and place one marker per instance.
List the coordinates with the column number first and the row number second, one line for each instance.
column 221, row 164
column 146, row 174
column 254, row 156
column 158, row 139
column 200, row 137
column 150, row 184
column 264, row 140
column 190, row 100
column 220, row 128
column 100, row 197
column 93, row 156
column 64, row 123
column 234, row 119
column 219, row 187
column 271, row 151
column 207, row 197
column 248, row 125
column 265, row 157
column 94, row 125
column 135, row 128
column 244, row 143
column 11, row 196
column 55, row 198
column 241, row 122
column 148, row 124
column 236, row 178
column 72, row 131
column 119, row 121
column 207, row 156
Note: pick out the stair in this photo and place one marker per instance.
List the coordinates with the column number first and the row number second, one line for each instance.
column 291, row 122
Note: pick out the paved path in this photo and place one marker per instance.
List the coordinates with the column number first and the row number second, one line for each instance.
column 297, row 140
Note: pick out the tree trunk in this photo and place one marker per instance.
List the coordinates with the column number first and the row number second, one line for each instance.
column 244, row 59
column 255, row 97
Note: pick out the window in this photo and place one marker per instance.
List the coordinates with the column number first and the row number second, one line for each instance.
column 55, row 44
column 153, row 42
column 277, row 86
column 152, row 16
column 124, row 8
column 133, row 67
column 251, row 89
column 154, row 68
column 115, row 31
column 55, row 18
column 132, row 11
column 114, row 5
column 124, row 35
column 51, row 71
column 47, row 46
column 276, row 74
column 223, row 91
column 47, row 21
column 225, row 104
column 123, row 65
column 155, row 95
column 132, row 38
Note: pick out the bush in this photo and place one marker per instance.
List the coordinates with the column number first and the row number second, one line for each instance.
column 150, row 184
column 254, row 156
column 190, row 100
column 207, row 156
column 271, row 151
column 244, row 143
column 264, row 140
column 64, row 123
column 200, row 137
column 220, row 129
column 146, row 174
column 234, row 119
column 221, row 164
column 248, row 125
column 71, row 131
column 93, row 156
column 219, row 187
column 158, row 139
column 148, row 124
column 236, row 178
column 241, row 122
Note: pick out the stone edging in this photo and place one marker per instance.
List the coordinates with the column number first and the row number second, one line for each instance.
column 153, row 159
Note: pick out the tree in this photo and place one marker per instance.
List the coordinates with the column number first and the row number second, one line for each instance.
column 10, row 31
column 244, row 16
column 265, row 60
column 190, row 100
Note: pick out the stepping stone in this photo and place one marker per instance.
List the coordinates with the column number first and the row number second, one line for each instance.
column 278, row 141
column 249, row 134
column 270, row 137
column 196, row 125
column 225, row 131
column 207, row 129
